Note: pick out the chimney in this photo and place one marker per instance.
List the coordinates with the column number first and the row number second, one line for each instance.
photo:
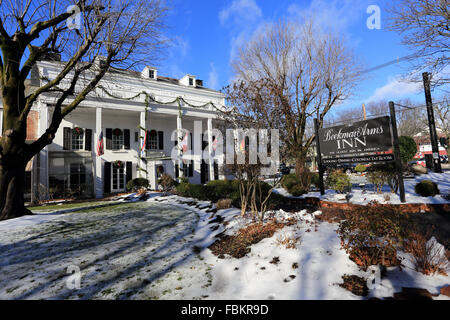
column 51, row 56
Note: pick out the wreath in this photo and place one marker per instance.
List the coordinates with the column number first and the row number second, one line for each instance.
column 160, row 169
column 117, row 132
column 77, row 131
column 118, row 164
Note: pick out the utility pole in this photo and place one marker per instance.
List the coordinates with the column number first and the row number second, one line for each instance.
column 364, row 111
column 319, row 158
column 431, row 124
column 398, row 162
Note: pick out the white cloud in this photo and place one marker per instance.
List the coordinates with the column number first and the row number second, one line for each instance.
column 336, row 15
column 213, row 78
column 242, row 18
column 396, row 88
column 240, row 12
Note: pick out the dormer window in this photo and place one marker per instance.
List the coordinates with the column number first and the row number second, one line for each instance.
column 149, row 73
column 188, row 80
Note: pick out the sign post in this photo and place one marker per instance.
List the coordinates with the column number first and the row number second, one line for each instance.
column 433, row 136
column 319, row 158
column 398, row 163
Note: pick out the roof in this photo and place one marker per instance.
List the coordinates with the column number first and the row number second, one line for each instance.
column 137, row 74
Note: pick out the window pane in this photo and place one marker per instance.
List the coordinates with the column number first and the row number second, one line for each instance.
column 77, row 141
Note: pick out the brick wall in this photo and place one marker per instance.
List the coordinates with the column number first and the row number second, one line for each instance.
column 32, row 125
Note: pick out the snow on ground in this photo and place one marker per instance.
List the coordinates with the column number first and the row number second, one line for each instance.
column 360, row 197
column 153, row 250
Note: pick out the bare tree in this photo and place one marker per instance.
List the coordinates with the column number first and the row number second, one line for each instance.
column 442, row 118
column 425, row 27
column 254, row 108
column 125, row 33
column 307, row 70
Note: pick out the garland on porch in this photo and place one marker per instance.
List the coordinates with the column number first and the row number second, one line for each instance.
column 150, row 98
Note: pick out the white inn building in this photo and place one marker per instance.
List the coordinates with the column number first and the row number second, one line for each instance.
column 71, row 165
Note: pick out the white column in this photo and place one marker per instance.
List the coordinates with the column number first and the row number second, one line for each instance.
column 43, row 165
column 179, row 137
column 211, row 163
column 98, row 175
column 143, row 129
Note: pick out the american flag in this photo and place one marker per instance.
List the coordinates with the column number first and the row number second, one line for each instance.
column 100, row 150
column 214, row 144
column 144, row 142
column 184, row 143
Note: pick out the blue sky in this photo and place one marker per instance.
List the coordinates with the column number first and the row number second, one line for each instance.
column 206, row 34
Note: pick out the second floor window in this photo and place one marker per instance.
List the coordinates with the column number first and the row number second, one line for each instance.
column 117, row 139
column 77, row 140
column 152, row 140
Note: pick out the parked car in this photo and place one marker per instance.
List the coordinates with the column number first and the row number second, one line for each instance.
column 346, row 167
column 283, row 169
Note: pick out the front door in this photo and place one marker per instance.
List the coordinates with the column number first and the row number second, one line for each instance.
column 118, row 178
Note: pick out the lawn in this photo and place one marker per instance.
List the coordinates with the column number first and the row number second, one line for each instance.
column 159, row 249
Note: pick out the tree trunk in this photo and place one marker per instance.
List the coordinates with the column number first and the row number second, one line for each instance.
column 12, row 178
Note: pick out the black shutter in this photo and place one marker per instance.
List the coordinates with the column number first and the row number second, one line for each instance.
column 129, row 171
column 177, row 171
column 88, row 140
column 216, row 171
column 204, row 143
column 192, row 141
column 67, row 135
column 107, row 178
column 161, row 140
column 136, row 136
column 191, row 168
column 108, row 138
column 126, row 139
column 147, row 142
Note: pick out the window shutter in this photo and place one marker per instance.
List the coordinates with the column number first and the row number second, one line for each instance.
column 67, row 135
column 204, row 143
column 192, row 141
column 88, row 140
column 191, row 169
column 216, row 171
column 107, row 178
column 147, row 142
column 177, row 171
column 108, row 138
column 161, row 140
column 129, row 171
column 136, row 136
column 126, row 139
